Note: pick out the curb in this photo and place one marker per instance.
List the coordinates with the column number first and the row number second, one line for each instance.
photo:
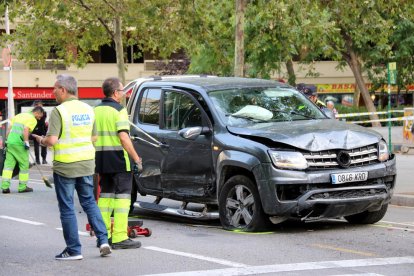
column 402, row 200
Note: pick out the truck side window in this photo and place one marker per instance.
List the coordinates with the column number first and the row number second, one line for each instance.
column 180, row 111
column 149, row 111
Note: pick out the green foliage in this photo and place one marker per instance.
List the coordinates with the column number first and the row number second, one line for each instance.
column 73, row 29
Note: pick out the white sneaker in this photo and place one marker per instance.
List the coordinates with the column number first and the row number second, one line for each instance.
column 104, row 249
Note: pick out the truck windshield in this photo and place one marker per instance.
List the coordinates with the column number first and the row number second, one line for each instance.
column 241, row 106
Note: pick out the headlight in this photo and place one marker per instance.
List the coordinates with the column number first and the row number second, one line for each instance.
column 383, row 153
column 288, row 160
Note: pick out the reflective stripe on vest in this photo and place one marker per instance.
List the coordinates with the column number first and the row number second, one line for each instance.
column 19, row 122
column 75, row 142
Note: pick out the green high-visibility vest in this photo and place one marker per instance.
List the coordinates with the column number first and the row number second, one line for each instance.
column 75, row 143
column 18, row 123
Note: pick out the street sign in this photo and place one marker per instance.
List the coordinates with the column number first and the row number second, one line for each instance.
column 392, row 73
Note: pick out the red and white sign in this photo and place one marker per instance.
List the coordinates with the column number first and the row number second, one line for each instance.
column 46, row 93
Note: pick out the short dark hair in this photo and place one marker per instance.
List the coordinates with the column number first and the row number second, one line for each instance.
column 37, row 102
column 110, row 85
column 38, row 109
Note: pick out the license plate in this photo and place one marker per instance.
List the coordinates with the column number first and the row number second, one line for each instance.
column 338, row 178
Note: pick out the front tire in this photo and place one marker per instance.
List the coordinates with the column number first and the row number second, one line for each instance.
column 240, row 207
column 368, row 217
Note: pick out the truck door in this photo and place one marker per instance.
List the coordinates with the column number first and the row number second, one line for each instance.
column 146, row 116
column 187, row 168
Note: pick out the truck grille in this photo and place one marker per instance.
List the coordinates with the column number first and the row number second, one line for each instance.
column 362, row 156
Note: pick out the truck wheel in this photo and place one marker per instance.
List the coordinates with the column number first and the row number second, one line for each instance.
column 240, row 207
column 368, row 217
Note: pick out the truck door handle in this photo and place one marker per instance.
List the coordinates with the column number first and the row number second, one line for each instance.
column 164, row 146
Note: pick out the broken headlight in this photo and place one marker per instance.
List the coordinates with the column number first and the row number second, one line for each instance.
column 383, row 153
column 288, row 160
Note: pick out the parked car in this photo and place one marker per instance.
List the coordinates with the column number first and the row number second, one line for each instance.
column 253, row 151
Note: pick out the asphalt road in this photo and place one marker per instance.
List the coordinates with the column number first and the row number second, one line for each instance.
column 31, row 236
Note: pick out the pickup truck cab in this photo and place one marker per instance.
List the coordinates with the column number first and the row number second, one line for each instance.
column 258, row 151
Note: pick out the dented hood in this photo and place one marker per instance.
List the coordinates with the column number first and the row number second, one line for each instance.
column 312, row 135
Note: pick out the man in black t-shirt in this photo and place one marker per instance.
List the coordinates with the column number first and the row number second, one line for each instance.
column 40, row 129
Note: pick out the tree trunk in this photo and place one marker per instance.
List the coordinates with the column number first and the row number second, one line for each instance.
column 291, row 73
column 357, row 95
column 119, row 48
column 239, row 39
column 355, row 66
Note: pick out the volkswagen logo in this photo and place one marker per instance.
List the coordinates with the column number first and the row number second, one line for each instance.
column 344, row 159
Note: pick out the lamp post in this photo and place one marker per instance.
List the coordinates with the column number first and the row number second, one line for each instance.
column 392, row 79
column 8, row 67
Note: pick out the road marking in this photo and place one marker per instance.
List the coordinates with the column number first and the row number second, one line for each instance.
column 324, row 246
column 399, row 223
column 392, row 227
column 360, row 274
column 22, row 220
column 81, row 233
column 196, row 256
column 278, row 268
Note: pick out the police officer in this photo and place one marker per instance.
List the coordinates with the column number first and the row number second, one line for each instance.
column 71, row 133
column 113, row 152
column 18, row 149
column 311, row 93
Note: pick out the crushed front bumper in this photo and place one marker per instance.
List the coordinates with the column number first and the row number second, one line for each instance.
column 311, row 195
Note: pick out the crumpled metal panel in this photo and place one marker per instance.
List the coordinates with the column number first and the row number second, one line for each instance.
column 313, row 135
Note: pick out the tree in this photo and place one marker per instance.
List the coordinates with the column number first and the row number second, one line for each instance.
column 73, row 29
column 363, row 34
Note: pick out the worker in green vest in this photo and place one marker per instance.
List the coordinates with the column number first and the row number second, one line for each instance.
column 113, row 152
column 71, row 133
column 18, row 149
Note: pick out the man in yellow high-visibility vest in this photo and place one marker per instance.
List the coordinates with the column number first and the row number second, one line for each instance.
column 113, row 152
column 71, row 133
column 18, row 147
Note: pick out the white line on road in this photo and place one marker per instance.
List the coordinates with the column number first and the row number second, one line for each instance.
column 398, row 223
column 360, row 274
column 391, row 227
column 81, row 233
column 22, row 220
column 277, row 268
column 196, row 256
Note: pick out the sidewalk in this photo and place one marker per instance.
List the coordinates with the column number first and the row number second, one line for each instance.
column 404, row 189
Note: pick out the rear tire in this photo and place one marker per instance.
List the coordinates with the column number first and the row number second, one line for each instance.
column 368, row 217
column 240, row 206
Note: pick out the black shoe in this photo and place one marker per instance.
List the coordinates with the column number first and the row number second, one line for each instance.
column 126, row 244
column 44, row 161
column 6, row 191
column 65, row 256
column 27, row 190
column 38, row 161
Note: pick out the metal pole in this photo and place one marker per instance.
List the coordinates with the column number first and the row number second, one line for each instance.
column 10, row 98
column 389, row 109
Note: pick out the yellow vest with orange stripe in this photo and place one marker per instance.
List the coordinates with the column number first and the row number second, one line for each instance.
column 75, row 143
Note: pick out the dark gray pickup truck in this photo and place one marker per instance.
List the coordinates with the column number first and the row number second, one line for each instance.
column 253, row 151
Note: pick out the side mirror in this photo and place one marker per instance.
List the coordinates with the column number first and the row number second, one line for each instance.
column 328, row 112
column 192, row 133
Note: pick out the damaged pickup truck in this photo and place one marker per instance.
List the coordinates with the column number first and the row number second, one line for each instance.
column 253, row 151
